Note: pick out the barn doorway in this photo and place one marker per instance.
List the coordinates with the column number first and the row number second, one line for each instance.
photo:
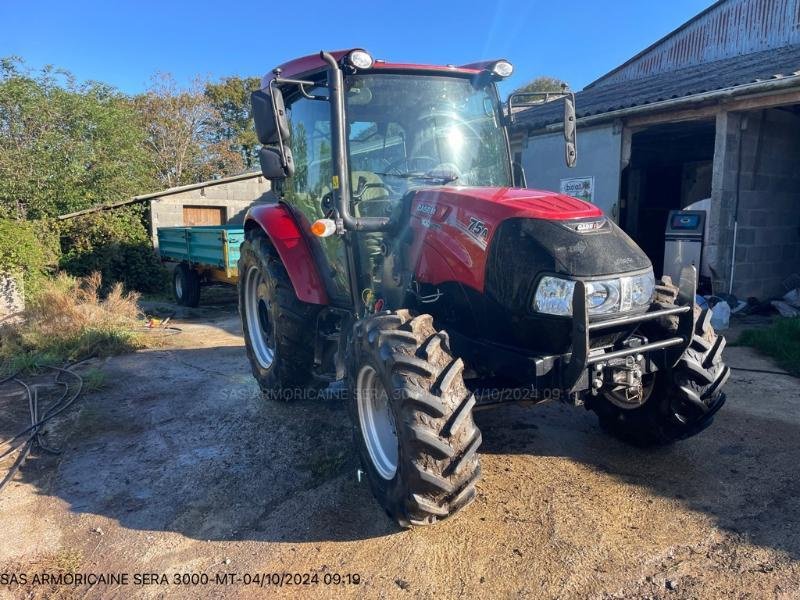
column 203, row 215
column 670, row 167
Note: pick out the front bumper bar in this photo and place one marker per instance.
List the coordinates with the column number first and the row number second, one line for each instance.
column 575, row 369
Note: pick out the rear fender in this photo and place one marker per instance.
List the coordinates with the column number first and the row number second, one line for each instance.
column 283, row 231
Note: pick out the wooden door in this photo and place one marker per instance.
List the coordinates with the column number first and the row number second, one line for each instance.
column 203, row 215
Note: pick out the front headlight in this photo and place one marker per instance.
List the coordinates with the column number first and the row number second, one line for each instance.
column 642, row 289
column 602, row 296
column 554, row 295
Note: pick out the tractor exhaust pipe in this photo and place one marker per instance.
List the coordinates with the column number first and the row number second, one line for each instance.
column 339, row 142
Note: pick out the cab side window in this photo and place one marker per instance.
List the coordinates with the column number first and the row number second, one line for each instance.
column 310, row 125
column 309, row 121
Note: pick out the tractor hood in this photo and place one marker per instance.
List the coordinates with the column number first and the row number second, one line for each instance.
column 505, row 203
column 515, row 235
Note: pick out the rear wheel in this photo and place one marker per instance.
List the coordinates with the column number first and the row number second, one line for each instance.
column 677, row 403
column 412, row 418
column 186, row 285
column 278, row 328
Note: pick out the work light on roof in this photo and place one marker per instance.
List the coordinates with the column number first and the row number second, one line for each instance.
column 503, row 68
column 360, row 59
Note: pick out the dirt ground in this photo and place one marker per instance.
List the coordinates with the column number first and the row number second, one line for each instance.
column 178, row 466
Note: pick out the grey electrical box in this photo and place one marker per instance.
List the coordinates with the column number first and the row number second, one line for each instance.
column 683, row 241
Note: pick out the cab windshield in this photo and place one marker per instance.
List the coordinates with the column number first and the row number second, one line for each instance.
column 413, row 131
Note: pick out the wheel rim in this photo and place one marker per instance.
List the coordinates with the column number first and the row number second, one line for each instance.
column 179, row 286
column 377, row 422
column 259, row 328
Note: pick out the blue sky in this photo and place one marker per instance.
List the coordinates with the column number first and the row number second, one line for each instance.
column 124, row 42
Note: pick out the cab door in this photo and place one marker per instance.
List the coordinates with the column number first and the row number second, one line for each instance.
column 308, row 191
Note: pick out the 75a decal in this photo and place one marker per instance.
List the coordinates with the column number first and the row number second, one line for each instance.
column 478, row 228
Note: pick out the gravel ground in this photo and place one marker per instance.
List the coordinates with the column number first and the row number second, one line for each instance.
column 178, row 467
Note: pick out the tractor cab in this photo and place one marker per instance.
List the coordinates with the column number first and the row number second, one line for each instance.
column 347, row 138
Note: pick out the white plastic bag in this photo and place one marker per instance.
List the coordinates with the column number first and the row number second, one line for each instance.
column 721, row 315
column 792, row 297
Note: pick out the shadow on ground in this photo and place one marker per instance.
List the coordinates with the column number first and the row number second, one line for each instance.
column 183, row 442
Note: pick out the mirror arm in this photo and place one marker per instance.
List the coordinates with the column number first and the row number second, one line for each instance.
column 301, row 85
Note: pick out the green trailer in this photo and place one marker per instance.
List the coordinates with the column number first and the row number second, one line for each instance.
column 204, row 254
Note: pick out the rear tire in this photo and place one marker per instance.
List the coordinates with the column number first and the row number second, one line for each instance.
column 279, row 329
column 683, row 401
column 186, row 285
column 412, row 418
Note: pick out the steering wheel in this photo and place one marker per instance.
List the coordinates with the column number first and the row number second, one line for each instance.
column 362, row 186
column 408, row 162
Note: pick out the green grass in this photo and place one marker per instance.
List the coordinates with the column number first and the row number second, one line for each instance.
column 26, row 362
column 781, row 341
column 93, row 380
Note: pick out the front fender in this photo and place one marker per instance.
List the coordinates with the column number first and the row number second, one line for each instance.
column 283, row 231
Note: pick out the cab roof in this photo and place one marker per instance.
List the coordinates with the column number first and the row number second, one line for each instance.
column 313, row 63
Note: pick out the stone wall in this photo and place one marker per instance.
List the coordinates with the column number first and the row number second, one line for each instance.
column 12, row 296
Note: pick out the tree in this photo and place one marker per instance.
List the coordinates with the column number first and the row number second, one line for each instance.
column 542, row 84
column 231, row 99
column 184, row 133
column 65, row 146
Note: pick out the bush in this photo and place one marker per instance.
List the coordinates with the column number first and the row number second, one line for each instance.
column 28, row 248
column 70, row 320
column 115, row 244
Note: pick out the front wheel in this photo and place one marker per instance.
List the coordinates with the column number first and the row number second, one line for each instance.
column 412, row 418
column 278, row 328
column 677, row 403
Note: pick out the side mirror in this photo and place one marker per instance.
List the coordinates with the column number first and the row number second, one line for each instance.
column 274, row 164
column 269, row 115
column 532, row 99
column 272, row 128
column 570, row 141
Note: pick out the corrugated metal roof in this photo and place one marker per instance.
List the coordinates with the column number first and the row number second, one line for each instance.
column 166, row 192
column 689, row 81
column 728, row 28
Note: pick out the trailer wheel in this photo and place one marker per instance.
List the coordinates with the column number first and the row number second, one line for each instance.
column 412, row 418
column 186, row 285
column 278, row 328
column 682, row 402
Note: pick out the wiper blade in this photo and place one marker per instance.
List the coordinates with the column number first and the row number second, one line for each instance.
column 422, row 176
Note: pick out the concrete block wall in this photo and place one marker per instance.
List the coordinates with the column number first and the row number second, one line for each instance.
column 768, row 234
column 235, row 197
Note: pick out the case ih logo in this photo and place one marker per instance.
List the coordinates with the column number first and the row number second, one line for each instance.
column 586, row 226
column 426, row 209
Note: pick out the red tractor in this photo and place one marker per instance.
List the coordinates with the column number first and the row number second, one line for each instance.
column 405, row 257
